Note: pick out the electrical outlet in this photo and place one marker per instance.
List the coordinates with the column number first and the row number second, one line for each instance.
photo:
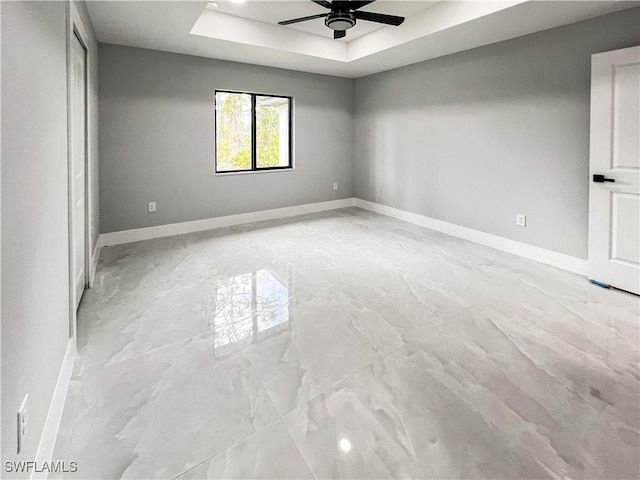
column 23, row 422
column 335, row 186
column 152, row 207
column 521, row 220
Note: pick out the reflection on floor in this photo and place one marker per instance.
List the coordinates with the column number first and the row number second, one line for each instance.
column 348, row 345
column 251, row 304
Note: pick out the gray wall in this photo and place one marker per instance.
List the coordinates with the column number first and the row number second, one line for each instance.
column 476, row 137
column 35, row 276
column 157, row 139
column 34, row 200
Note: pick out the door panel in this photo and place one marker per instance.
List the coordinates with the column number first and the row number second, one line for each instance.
column 614, row 204
column 626, row 111
column 624, row 239
column 78, row 174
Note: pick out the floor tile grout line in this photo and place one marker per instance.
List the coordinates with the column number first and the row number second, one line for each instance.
column 304, row 460
column 333, row 385
column 382, row 357
column 227, row 447
column 236, row 442
column 297, row 447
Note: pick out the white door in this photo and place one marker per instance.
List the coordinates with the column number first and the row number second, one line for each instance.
column 78, row 161
column 614, row 194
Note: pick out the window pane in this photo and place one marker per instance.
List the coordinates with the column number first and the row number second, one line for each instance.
column 272, row 132
column 233, row 131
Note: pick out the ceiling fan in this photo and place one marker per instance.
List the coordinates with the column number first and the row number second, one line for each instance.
column 343, row 15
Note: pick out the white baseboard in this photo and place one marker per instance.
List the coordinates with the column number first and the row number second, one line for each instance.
column 127, row 236
column 56, row 407
column 542, row 255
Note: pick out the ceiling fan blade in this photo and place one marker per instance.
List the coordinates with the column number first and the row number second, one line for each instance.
column 303, row 19
column 356, row 4
column 339, row 34
column 379, row 18
column 322, row 3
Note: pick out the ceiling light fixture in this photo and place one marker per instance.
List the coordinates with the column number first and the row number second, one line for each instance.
column 343, row 14
column 212, row 5
column 340, row 21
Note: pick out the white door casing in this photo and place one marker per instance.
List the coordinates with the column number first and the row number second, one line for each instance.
column 78, row 173
column 614, row 201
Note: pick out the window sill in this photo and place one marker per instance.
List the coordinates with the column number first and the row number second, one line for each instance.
column 252, row 172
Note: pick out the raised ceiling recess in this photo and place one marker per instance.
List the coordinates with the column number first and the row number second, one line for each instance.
column 248, row 32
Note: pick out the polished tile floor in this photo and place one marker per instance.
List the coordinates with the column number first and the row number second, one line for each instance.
column 348, row 345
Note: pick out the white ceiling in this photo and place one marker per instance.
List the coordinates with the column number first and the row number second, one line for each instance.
column 274, row 11
column 249, row 33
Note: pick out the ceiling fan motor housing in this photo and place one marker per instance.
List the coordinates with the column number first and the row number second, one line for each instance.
column 340, row 20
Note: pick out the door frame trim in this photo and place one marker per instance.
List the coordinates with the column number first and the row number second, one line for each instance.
column 76, row 28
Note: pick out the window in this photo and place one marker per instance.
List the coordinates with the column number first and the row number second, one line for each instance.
column 253, row 132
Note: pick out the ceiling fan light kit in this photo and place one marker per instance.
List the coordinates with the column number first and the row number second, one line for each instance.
column 340, row 21
column 344, row 14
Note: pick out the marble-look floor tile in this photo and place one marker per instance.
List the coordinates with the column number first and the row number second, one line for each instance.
column 395, row 419
column 325, row 341
column 530, row 382
column 166, row 411
column 614, row 446
column 124, row 330
column 384, row 349
column 267, row 454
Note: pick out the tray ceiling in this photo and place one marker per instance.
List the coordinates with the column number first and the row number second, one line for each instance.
column 248, row 32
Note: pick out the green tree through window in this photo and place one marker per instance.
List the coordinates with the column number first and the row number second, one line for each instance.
column 236, row 115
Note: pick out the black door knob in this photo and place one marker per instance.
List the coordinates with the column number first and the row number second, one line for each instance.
column 602, row 179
